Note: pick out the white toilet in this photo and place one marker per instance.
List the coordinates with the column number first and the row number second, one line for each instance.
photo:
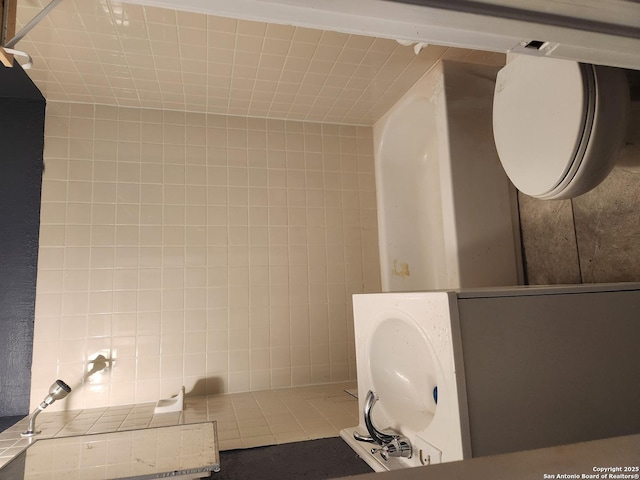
column 559, row 125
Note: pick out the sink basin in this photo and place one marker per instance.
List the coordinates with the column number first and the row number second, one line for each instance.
column 450, row 375
column 405, row 355
column 403, row 373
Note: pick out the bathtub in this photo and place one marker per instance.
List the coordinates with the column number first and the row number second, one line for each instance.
column 447, row 213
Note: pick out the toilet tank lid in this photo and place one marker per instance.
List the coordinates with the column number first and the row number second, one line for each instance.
column 539, row 114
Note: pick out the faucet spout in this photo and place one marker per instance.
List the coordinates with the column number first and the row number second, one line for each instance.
column 379, row 437
column 391, row 445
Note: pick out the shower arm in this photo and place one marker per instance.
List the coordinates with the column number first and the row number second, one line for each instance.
column 31, row 429
column 57, row 391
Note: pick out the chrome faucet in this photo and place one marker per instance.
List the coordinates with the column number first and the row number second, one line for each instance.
column 390, row 444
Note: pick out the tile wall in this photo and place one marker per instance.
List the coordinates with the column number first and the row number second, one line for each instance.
column 116, row 53
column 209, row 251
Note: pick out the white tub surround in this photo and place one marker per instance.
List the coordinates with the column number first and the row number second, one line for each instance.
column 447, row 213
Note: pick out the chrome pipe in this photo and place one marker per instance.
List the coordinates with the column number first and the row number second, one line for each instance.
column 32, row 23
column 394, row 445
column 57, row 391
column 379, row 437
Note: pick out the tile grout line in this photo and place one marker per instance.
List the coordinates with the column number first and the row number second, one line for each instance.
column 132, row 417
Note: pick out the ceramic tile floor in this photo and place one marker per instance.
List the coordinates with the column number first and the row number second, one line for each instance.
column 244, row 420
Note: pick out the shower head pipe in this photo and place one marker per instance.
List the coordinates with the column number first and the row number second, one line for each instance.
column 57, row 391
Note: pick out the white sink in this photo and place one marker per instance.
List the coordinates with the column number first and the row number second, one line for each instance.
column 404, row 373
column 404, row 354
column 493, row 355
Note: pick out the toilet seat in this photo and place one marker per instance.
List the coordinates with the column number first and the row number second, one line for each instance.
column 558, row 124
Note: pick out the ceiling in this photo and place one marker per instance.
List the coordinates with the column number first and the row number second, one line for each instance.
column 107, row 52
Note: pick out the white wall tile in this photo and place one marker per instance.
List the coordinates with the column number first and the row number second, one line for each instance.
column 201, row 250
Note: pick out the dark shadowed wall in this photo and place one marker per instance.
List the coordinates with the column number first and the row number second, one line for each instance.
column 22, row 112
